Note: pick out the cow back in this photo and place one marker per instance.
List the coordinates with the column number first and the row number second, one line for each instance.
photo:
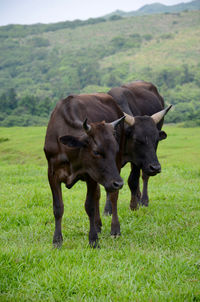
column 146, row 96
column 138, row 98
column 70, row 113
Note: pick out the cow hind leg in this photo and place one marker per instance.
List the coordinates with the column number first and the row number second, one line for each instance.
column 133, row 182
column 58, row 210
column 90, row 207
column 145, row 197
column 108, row 206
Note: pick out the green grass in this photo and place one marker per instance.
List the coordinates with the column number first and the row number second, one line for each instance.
column 155, row 259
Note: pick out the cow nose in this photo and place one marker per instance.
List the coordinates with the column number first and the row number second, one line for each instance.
column 155, row 168
column 117, row 184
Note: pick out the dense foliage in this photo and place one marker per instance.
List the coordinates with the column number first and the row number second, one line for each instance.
column 39, row 64
column 25, row 111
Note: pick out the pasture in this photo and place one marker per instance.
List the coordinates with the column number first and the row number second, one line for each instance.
column 157, row 257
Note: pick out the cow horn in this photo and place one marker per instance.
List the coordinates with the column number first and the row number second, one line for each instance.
column 157, row 117
column 130, row 120
column 86, row 127
column 116, row 122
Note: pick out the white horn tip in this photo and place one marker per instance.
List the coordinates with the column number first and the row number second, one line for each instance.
column 130, row 120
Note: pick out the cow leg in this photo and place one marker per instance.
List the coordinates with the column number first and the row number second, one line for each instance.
column 133, row 182
column 108, row 205
column 97, row 218
column 145, row 197
column 58, row 209
column 115, row 226
column 90, row 207
column 108, row 209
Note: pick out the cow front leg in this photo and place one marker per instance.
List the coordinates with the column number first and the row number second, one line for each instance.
column 115, row 225
column 108, row 209
column 133, row 182
column 90, row 207
column 97, row 218
column 58, row 209
column 145, row 197
column 108, row 205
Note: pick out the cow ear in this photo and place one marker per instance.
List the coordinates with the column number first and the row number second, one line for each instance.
column 162, row 135
column 72, row 141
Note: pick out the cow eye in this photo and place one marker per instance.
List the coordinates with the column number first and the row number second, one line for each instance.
column 96, row 153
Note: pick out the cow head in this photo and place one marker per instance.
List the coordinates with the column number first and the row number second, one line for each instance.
column 142, row 137
column 95, row 153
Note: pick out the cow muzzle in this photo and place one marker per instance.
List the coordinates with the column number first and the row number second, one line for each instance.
column 114, row 186
column 153, row 169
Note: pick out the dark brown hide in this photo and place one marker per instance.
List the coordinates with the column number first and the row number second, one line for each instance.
column 141, row 100
column 82, row 143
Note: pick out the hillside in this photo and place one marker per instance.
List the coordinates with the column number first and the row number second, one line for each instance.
column 51, row 61
column 157, row 8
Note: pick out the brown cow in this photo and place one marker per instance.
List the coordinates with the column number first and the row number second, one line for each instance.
column 80, row 145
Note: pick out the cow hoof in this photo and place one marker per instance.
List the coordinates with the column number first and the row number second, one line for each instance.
column 134, row 203
column 93, row 240
column 134, row 207
column 115, row 235
column 144, row 203
column 108, row 211
column 98, row 228
column 94, row 244
column 115, row 230
column 57, row 242
column 98, row 225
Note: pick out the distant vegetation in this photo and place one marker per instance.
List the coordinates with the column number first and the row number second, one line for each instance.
column 39, row 64
column 25, row 111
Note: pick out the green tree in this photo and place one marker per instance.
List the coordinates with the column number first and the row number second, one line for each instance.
column 8, row 101
column 29, row 103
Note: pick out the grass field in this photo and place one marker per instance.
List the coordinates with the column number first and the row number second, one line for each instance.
column 157, row 257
